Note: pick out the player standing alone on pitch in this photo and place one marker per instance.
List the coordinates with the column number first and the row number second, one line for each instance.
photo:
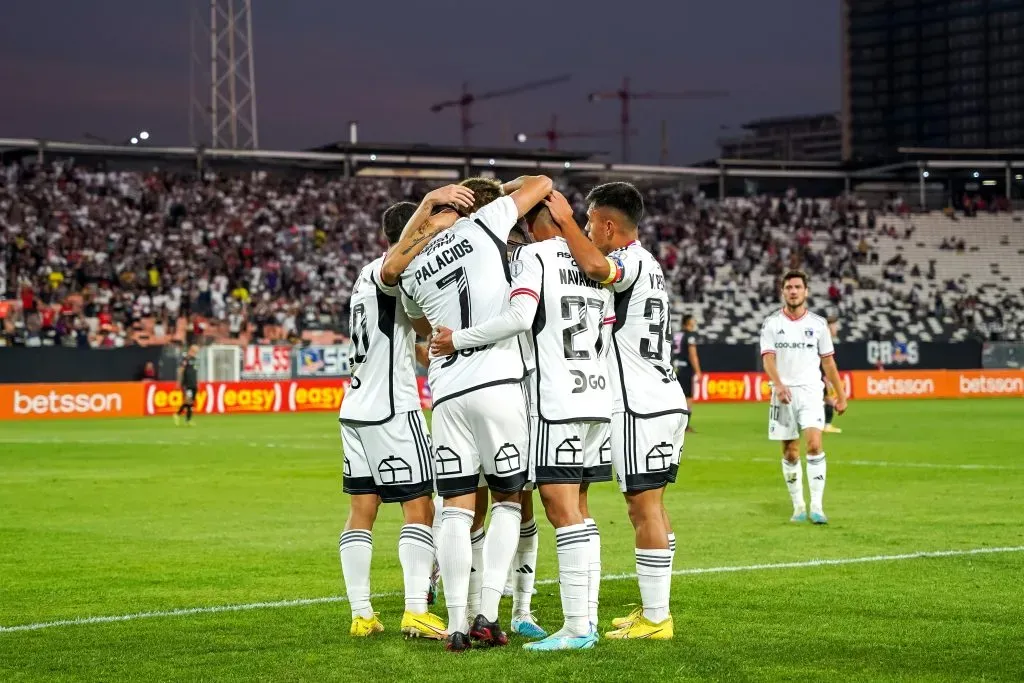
column 795, row 346
column 687, row 360
column 188, row 380
column 384, row 436
column 571, row 406
column 649, row 414
column 480, row 415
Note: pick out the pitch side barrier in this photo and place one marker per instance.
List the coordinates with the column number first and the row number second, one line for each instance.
column 140, row 399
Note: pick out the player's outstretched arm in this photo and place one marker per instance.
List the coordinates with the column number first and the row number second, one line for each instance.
column 828, row 363
column 515, row 319
column 527, row 191
column 419, row 230
column 589, row 258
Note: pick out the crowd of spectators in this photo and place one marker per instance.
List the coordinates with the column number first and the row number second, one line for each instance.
column 92, row 258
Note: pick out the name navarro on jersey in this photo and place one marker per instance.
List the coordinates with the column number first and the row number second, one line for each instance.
column 573, row 275
column 443, row 258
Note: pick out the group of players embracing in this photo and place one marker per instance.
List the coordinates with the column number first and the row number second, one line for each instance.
column 549, row 365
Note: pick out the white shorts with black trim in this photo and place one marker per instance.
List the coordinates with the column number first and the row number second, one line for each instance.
column 486, row 430
column 391, row 460
column 646, row 450
column 806, row 410
column 570, row 452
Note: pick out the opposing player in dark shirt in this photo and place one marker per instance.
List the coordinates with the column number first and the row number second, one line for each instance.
column 686, row 360
column 188, row 381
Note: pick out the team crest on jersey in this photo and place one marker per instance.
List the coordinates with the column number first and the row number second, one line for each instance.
column 809, row 332
column 516, row 268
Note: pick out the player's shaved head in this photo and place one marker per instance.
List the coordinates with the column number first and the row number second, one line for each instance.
column 540, row 222
column 394, row 220
column 485, row 191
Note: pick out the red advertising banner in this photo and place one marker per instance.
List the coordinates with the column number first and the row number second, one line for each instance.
column 735, row 387
column 257, row 396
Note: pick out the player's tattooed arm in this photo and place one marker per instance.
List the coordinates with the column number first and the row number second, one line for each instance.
column 421, row 229
column 589, row 258
column 828, row 363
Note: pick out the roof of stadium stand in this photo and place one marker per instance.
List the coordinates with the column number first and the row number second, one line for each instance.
column 359, row 158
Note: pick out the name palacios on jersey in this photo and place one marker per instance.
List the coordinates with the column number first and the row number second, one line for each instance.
column 446, row 256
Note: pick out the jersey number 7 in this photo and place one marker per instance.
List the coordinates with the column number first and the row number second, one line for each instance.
column 458, row 277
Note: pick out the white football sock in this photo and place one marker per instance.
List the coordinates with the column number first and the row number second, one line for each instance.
column 654, row 574
column 499, row 548
column 435, row 528
column 672, row 547
column 816, row 479
column 793, row 475
column 416, row 554
column 594, row 569
column 356, row 549
column 525, row 567
column 455, row 557
column 573, row 547
column 476, row 576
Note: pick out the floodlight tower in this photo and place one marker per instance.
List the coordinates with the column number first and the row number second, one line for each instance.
column 222, row 108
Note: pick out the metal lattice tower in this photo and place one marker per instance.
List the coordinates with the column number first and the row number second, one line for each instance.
column 222, row 75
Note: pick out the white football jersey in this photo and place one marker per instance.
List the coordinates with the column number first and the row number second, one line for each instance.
column 640, row 362
column 383, row 353
column 571, row 383
column 461, row 278
column 799, row 345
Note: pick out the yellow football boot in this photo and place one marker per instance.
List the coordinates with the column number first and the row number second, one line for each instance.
column 424, row 625
column 627, row 621
column 643, row 628
column 363, row 627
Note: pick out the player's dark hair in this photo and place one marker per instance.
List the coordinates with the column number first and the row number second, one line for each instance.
column 622, row 197
column 686, row 319
column 395, row 218
column 790, row 274
column 485, row 191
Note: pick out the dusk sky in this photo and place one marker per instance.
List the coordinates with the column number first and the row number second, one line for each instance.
column 112, row 67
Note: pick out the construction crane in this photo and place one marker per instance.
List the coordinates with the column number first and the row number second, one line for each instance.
column 625, row 95
column 553, row 134
column 466, row 101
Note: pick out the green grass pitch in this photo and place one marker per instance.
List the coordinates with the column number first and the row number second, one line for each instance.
column 112, row 518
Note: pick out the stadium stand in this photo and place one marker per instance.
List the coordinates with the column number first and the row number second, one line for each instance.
column 114, row 258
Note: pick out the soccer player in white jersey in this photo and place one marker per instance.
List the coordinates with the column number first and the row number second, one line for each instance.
column 480, row 417
column 649, row 418
column 795, row 346
column 571, row 404
column 386, row 448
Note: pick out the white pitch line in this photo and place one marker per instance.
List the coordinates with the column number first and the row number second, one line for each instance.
column 84, row 621
column 839, row 462
column 333, row 444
